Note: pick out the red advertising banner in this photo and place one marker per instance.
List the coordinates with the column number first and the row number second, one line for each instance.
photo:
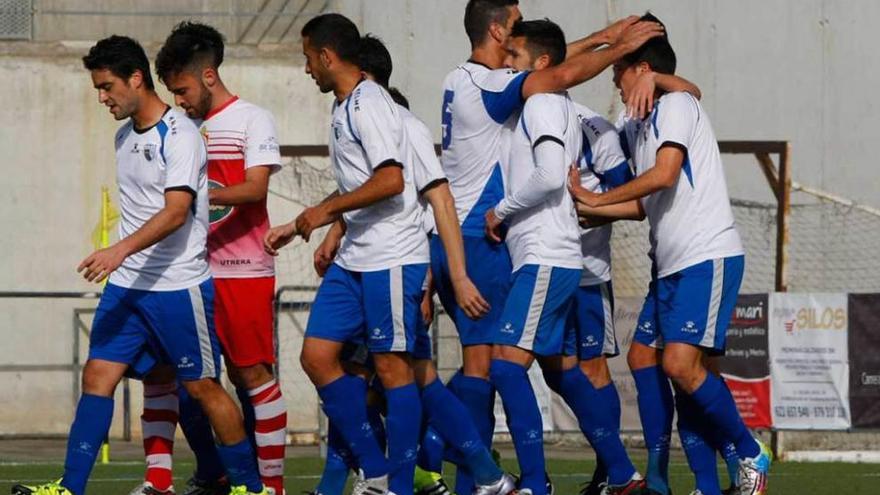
column 745, row 365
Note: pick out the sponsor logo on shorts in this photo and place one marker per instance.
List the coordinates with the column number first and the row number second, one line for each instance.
column 185, row 362
column 690, row 327
column 646, row 327
column 376, row 334
column 507, row 328
column 590, row 341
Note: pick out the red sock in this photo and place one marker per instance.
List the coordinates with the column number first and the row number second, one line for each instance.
column 271, row 433
column 159, row 423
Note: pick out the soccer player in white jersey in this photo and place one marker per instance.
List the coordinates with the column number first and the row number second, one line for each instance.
column 159, row 297
column 442, row 410
column 375, row 281
column 698, row 260
column 242, row 153
column 478, row 97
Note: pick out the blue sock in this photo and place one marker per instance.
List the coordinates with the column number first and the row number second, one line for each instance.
column 88, row 431
column 724, row 447
column 403, row 425
column 337, row 464
column 345, row 403
column 478, row 396
column 700, row 455
column 200, row 437
column 655, row 410
column 374, row 415
column 431, row 450
column 609, row 397
column 717, row 405
column 597, row 424
column 524, row 421
column 240, row 464
column 250, row 417
column 449, row 417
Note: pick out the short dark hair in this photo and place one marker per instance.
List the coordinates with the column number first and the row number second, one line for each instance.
column 336, row 32
column 190, row 45
column 398, row 97
column 480, row 14
column 543, row 37
column 122, row 56
column 656, row 52
column 375, row 59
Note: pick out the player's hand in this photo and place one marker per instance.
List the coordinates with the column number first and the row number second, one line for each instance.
column 278, row 237
column 612, row 33
column 469, row 299
column 493, row 226
column 574, row 181
column 311, row 219
column 640, row 101
column 427, row 307
column 100, row 264
column 325, row 254
column 635, row 35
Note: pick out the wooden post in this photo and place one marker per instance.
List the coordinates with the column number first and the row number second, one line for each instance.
column 783, row 195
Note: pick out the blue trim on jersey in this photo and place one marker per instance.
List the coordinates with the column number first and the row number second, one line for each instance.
column 475, row 223
column 654, row 120
column 686, row 167
column 446, row 118
column 350, row 127
column 162, row 127
column 500, row 105
column 624, row 144
column 617, row 176
column 588, row 154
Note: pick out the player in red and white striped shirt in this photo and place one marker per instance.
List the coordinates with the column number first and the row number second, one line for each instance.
column 242, row 153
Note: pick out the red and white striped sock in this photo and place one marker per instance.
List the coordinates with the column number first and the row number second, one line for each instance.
column 159, row 422
column 271, row 433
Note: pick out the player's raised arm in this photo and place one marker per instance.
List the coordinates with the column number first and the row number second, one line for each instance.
column 606, row 36
column 587, row 65
column 640, row 100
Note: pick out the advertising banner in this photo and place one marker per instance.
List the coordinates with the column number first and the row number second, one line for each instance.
column 864, row 360
column 746, row 364
column 809, row 361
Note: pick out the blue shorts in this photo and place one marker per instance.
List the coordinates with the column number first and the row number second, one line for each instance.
column 141, row 328
column 488, row 266
column 692, row 306
column 589, row 332
column 537, row 308
column 379, row 308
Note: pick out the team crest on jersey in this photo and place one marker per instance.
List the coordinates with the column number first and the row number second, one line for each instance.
column 218, row 213
column 150, row 151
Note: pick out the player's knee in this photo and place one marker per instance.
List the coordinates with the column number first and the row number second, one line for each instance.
column 597, row 371
column 101, row 377
column 202, row 389
column 319, row 366
column 250, row 376
column 682, row 372
column 641, row 356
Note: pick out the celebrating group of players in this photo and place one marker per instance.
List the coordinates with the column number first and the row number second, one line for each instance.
column 510, row 228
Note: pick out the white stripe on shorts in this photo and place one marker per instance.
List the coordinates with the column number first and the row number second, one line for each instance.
column 610, row 341
column 536, row 307
column 714, row 303
column 398, row 344
column 207, row 352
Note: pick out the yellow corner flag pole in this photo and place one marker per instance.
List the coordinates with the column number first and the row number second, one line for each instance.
column 102, row 240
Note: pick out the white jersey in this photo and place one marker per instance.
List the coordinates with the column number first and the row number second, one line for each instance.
column 367, row 134
column 537, row 204
column 603, row 166
column 419, row 151
column 691, row 221
column 477, row 101
column 170, row 155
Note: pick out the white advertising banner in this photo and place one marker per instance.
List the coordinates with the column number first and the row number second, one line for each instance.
column 809, row 361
